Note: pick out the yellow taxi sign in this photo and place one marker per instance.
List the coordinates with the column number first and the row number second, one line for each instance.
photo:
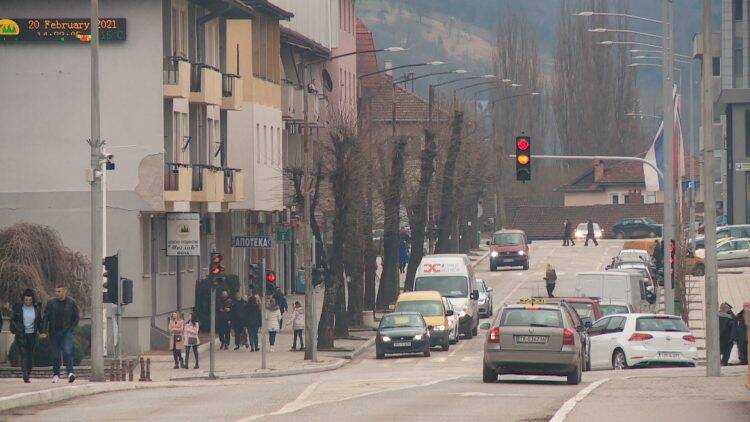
column 532, row 301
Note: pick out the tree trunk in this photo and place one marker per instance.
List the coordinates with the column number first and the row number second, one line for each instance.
column 370, row 255
column 418, row 216
column 326, row 323
column 389, row 278
column 355, row 251
column 446, row 219
column 340, row 185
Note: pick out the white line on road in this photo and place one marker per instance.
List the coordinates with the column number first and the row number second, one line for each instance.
column 299, row 402
column 569, row 405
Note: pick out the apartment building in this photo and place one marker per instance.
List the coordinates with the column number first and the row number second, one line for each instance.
column 191, row 111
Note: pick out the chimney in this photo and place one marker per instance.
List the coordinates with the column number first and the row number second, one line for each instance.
column 598, row 171
column 388, row 65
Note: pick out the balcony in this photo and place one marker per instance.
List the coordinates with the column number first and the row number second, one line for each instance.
column 231, row 92
column 292, row 104
column 177, row 182
column 176, row 77
column 233, row 185
column 205, row 84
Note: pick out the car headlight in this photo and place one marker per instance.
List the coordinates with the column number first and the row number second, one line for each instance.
column 418, row 337
column 494, row 254
column 521, row 253
column 439, row 328
column 385, row 338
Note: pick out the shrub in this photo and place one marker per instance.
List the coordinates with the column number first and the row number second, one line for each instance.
column 43, row 355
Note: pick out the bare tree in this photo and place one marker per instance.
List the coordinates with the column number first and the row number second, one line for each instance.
column 446, row 220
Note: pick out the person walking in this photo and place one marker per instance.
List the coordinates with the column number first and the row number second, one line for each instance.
column 298, row 325
column 61, row 318
column 403, row 255
column 238, row 316
column 550, row 278
column 565, row 233
column 253, row 321
column 190, row 337
column 278, row 295
column 741, row 337
column 176, row 327
column 223, row 306
column 726, row 331
column 590, row 235
column 273, row 316
column 26, row 325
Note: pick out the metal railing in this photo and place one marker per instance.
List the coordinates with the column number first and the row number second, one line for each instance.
column 197, row 177
column 172, row 69
column 229, row 181
column 227, row 84
column 196, row 70
column 172, row 176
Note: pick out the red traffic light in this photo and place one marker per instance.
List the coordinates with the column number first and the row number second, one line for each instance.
column 522, row 144
column 270, row 276
column 216, row 269
column 217, row 258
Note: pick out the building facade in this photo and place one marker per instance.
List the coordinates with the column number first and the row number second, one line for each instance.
column 190, row 110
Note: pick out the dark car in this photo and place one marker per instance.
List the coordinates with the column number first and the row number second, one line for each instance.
column 402, row 333
column 636, row 228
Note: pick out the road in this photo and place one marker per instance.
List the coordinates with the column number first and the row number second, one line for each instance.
column 446, row 386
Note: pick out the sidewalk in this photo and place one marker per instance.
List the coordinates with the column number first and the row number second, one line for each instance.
column 671, row 395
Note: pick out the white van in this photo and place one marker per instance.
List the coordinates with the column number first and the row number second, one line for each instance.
column 614, row 286
column 453, row 276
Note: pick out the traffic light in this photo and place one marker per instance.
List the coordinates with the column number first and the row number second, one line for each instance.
column 216, row 268
column 271, row 276
column 523, row 158
column 111, row 274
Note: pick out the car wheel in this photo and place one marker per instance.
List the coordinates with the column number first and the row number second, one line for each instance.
column 588, row 361
column 700, row 270
column 446, row 346
column 620, row 236
column 488, row 374
column 619, row 361
column 575, row 377
column 426, row 352
column 526, row 265
column 652, row 235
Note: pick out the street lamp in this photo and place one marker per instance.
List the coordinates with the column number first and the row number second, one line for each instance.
column 620, row 15
column 624, row 31
column 414, row 78
column 643, row 116
column 608, row 43
column 682, row 56
column 377, row 50
column 468, row 78
column 432, row 63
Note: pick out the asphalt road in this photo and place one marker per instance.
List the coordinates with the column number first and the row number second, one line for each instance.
column 446, row 386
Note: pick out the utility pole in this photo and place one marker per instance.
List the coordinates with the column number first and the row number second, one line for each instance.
column 711, row 288
column 669, row 191
column 97, row 338
column 311, row 326
column 263, row 325
column 212, row 341
column 691, row 168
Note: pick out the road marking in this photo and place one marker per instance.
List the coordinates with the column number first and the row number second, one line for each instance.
column 569, row 405
column 518, row 286
column 298, row 403
column 440, row 359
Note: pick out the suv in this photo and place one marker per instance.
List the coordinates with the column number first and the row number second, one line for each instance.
column 636, row 228
column 509, row 248
column 536, row 339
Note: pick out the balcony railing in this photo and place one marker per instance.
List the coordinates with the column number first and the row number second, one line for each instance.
column 172, row 176
column 172, row 69
column 196, row 71
column 229, row 180
column 197, row 177
column 227, row 85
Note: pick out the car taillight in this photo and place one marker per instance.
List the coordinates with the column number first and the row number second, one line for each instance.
column 568, row 339
column 640, row 337
column 494, row 335
column 689, row 338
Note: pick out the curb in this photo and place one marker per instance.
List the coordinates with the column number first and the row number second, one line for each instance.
column 271, row 373
column 359, row 350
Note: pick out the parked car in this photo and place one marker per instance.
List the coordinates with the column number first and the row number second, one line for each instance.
column 614, row 308
column 633, row 255
column 485, row 299
column 619, row 286
column 636, row 228
column 722, row 233
column 586, row 308
column 533, row 339
column 402, row 333
column 624, row 341
column 721, row 220
column 733, row 253
column 453, row 323
column 582, row 231
column 509, row 248
column 432, row 308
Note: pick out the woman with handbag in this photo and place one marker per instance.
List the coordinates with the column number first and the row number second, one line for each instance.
column 190, row 337
column 176, row 327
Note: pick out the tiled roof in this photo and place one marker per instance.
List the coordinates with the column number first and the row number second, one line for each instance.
column 366, row 62
column 546, row 222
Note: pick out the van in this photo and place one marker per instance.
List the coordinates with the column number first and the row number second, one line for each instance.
column 433, row 309
column 616, row 286
column 452, row 275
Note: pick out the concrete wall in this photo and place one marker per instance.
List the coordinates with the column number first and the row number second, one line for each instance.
column 344, row 70
column 315, row 19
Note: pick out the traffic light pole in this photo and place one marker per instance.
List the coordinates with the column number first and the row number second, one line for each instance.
column 668, row 233
column 263, row 326
column 211, row 342
column 597, row 158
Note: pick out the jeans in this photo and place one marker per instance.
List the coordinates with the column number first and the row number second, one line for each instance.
column 550, row 289
column 27, row 356
column 187, row 355
column 62, row 342
column 239, row 332
column 298, row 333
column 726, row 351
column 590, row 237
column 254, row 337
column 272, row 337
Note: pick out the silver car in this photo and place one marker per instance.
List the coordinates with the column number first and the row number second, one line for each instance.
column 536, row 339
column 485, row 299
column 733, row 253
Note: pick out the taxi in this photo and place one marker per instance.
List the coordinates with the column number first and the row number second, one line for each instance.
column 433, row 309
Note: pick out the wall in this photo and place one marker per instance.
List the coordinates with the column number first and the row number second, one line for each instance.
column 344, row 70
column 574, row 199
column 739, row 186
column 315, row 19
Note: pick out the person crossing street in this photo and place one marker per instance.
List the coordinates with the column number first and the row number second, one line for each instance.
column 550, row 278
column 61, row 318
column 590, row 234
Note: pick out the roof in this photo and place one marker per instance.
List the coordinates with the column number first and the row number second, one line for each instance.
column 508, row 231
column 421, row 295
column 615, row 174
column 270, row 8
column 291, row 36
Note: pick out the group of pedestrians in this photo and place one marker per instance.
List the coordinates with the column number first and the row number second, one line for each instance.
column 184, row 335
column 732, row 329
column 568, row 236
column 57, row 321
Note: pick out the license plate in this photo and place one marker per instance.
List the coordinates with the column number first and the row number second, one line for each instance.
column 508, row 260
column 402, row 344
column 671, row 355
column 532, row 339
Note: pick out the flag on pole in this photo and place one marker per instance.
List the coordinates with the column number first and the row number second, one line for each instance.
column 655, row 155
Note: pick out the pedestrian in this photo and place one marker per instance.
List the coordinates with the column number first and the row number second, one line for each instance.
column 403, row 255
column 26, row 325
column 176, row 343
column 61, row 319
column 590, row 235
column 726, row 331
column 298, row 325
column 253, row 321
column 273, row 315
column 190, row 337
column 223, row 306
column 278, row 295
column 238, row 315
column 550, row 278
column 741, row 337
column 566, row 233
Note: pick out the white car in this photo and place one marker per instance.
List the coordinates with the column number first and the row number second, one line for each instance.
column 633, row 255
column 453, row 335
column 627, row 340
column 582, row 230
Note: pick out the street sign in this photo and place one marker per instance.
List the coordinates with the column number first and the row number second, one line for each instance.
column 284, row 235
column 183, row 234
column 263, row 242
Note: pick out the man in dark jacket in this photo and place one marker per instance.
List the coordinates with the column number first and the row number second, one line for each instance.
column 26, row 325
column 278, row 294
column 590, row 235
column 566, row 232
column 223, row 306
column 253, row 320
column 726, row 331
column 238, row 315
column 61, row 319
column 741, row 337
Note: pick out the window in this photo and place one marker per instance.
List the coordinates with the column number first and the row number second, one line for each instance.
column 279, row 139
column 737, row 9
column 660, row 323
column 615, row 324
column 615, row 199
column 747, row 132
column 649, row 198
column 146, row 242
column 266, row 48
column 212, row 43
column 716, row 66
column 599, row 326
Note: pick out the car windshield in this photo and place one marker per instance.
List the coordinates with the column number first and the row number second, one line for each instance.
column 648, row 221
column 585, row 310
column 613, row 309
column 506, row 239
column 424, row 307
column 401, row 321
column 660, row 324
column 448, row 286
column 525, row 317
